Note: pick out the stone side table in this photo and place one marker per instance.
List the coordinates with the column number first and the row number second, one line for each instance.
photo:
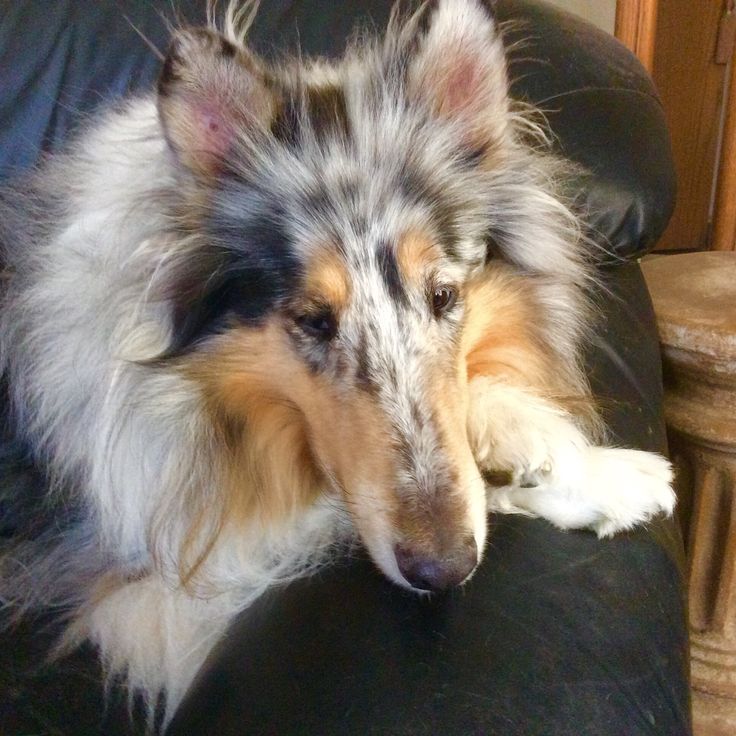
column 694, row 298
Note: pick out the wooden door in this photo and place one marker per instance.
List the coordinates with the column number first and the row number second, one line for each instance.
column 676, row 40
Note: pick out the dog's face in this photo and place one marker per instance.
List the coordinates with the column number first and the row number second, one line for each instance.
column 333, row 295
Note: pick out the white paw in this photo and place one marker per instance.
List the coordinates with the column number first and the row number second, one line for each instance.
column 513, row 430
column 631, row 487
column 554, row 472
column 618, row 490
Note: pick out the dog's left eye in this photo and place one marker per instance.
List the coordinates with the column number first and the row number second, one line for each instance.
column 321, row 325
column 443, row 299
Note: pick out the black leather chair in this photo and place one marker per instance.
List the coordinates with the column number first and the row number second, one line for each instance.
column 558, row 633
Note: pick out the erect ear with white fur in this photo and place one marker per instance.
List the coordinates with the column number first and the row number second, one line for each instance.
column 210, row 92
column 459, row 69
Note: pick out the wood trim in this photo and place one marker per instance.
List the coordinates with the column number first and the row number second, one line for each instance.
column 691, row 86
column 724, row 217
column 636, row 24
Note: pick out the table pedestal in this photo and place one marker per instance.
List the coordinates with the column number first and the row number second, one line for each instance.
column 694, row 297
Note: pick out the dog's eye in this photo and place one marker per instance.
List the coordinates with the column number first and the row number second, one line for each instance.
column 321, row 325
column 443, row 299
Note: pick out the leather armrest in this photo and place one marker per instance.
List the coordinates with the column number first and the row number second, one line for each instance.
column 605, row 115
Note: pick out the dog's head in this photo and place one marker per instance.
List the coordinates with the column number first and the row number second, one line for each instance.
column 338, row 220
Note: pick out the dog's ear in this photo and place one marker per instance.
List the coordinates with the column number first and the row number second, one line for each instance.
column 459, row 69
column 210, row 92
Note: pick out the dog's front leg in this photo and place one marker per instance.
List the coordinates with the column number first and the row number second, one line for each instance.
column 554, row 471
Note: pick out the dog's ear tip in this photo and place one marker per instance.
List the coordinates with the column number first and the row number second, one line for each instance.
column 459, row 68
column 209, row 91
column 191, row 46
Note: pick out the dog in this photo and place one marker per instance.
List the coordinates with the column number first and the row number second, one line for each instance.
column 270, row 311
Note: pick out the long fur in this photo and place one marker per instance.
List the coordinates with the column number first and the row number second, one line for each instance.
column 219, row 344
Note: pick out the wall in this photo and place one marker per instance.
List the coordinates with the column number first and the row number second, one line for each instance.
column 600, row 12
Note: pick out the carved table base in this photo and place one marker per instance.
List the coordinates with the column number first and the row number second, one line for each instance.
column 695, row 300
column 711, row 477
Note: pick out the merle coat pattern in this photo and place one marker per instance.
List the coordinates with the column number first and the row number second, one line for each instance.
column 269, row 310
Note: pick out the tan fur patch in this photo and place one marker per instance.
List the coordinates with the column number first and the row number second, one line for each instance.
column 293, row 424
column 415, row 254
column 326, row 280
column 267, row 468
column 499, row 338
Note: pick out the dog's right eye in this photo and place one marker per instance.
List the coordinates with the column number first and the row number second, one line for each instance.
column 443, row 300
column 320, row 325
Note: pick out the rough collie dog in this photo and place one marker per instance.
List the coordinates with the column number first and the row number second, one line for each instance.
column 268, row 310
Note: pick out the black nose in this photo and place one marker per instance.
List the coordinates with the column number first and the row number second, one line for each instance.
column 437, row 572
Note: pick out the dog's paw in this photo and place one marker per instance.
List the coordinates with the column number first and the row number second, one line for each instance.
column 530, row 438
column 616, row 490
column 553, row 472
column 631, row 487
